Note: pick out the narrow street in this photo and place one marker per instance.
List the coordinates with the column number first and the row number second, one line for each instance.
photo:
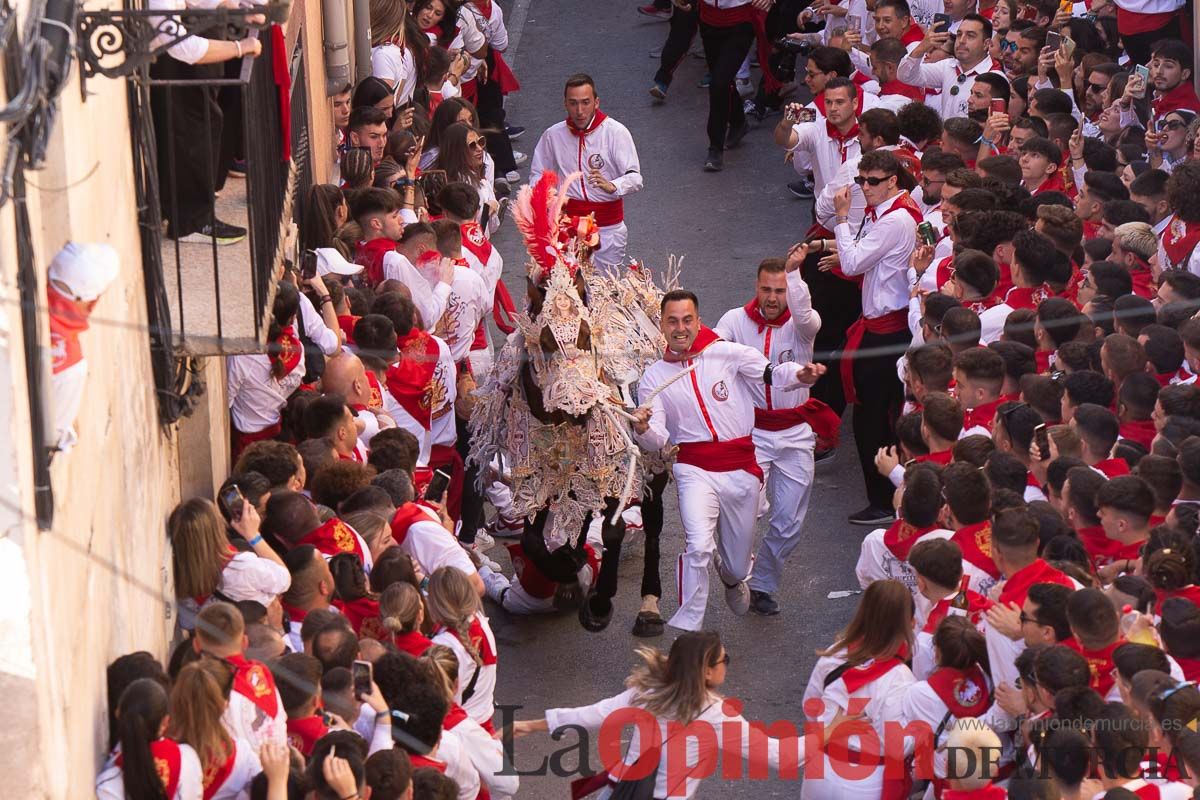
column 722, row 225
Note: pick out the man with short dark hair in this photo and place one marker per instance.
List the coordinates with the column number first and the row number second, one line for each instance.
column 1097, row 189
column 979, row 379
column 592, row 142
column 954, row 77
column 973, row 283
column 825, row 143
column 368, row 128
column 711, row 419
column 1171, row 66
column 1098, row 429
column 1041, row 160
column 1124, row 505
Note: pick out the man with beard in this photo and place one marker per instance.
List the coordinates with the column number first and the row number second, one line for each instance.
column 954, row 77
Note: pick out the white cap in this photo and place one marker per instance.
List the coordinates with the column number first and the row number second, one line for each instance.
column 330, row 260
column 85, row 269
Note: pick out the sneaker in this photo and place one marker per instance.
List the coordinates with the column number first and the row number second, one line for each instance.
column 735, row 135
column 715, row 162
column 705, row 82
column 654, row 12
column 745, row 87
column 751, row 110
column 484, row 539
column 697, row 50
column 504, row 528
column 659, row 91
column 219, row 232
column 737, row 597
column 519, row 158
column 512, row 177
column 237, row 169
column 763, row 604
column 801, row 188
column 872, row 516
column 514, row 132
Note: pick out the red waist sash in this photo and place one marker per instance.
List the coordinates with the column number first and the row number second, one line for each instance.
column 736, row 454
column 893, row 322
column 611, row 212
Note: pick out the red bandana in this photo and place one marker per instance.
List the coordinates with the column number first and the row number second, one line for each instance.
column 1103, row 550
column 215, row 775
column 410, row 380
column 333, row 538
column 167, row 763
column 597, row 118
column 704, row 338
column 856, row 678
column 903, row 202
column 363, row 614
column 1100, row 662
column 975, row 541
column 1179, row 240
column 843, row 139
column 67, row 321
column 900, row 537
column 980, row 306
column 982, row 416
column 1112, row 467
column 290, row 348
column 913, row 35
column 1141, row 431
column 756, row 316
column 964, row 691
column 1181, row 98
column 1017, row 585
column 1028, row 296
column 370, row 255
column 254, row 682
column 414, row 643
column 303, row 733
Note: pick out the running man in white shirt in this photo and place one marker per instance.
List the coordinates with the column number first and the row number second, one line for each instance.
column 701, row 400
column 593, row 143
column 780, row 323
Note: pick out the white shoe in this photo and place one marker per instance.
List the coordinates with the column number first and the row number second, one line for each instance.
column 737, row 597
column 484, row 539
column 484, row 561
column 519, row 158
column 744, row 87
column 513, row 177
column 504, row 528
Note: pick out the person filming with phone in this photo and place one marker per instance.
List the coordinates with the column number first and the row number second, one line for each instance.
column 954, row 77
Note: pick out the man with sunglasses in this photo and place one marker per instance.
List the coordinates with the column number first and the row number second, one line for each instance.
column 591, row 142
column 954, row 77
column 878, row 251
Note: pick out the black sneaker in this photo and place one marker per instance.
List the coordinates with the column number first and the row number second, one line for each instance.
column 220, row 232
column 801, row 188
column 514, row 131
column 648, row 624
column 872, row 516
column 735, row 135
column 715, row 161
column 763, row 604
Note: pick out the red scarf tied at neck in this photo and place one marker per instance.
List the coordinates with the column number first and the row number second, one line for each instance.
column 843, row 139
column 704, row 338
column 597, row 118
column 756, row 316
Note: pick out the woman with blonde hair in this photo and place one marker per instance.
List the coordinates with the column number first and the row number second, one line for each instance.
column 395, row 51
column 677, row 689
column 207, row 567
column 198, row 699
column 402, row 612
column 482, row 749
column 375, row 530
column 867, row 662
column 459, row 622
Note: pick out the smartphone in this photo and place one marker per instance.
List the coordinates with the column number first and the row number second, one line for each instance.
column 437, row 486
column 1144, row 73
column 854, row 21
column 798, row 114
column 1069, row 45
column 999, row 106
column 1041, row 437
column 363, row 677
column 308, row 264
column 231, row 499
column 1028, row 12
column 1054, row 41
column 941, row 22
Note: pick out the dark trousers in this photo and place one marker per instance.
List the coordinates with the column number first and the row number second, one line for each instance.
column 472, row 500
column 187, row 134
column 652, row 524
column 839, row 302
column 490, row 106
column 683, row 30
column 1139, row 45
column 724, row 51
column 880, row 400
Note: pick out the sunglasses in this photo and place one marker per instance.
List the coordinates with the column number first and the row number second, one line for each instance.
column 926, row 182
column 476, row 144
column 1097, row 87
column 1007, row 47
column 1172, row 125
column 722, row 660
column 1026, row 618
column 861, row 179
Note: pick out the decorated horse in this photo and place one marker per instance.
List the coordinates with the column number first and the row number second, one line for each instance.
column 555, row 409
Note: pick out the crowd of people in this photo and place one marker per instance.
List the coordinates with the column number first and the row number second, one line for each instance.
column 999, row 281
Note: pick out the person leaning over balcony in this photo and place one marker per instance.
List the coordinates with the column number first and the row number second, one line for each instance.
column 259, row 384
column 187, row 127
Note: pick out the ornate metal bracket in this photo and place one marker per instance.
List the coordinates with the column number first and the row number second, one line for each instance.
column 122, row 43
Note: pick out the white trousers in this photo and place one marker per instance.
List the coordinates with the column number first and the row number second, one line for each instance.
column 612, row 245
column 717, row 510
column 786, row 458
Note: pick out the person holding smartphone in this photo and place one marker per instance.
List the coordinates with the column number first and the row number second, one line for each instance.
column 954, row 77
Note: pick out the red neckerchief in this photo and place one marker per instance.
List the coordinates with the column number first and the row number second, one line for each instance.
column 476, row 241
column 843, row 139
column 376, row 401
column 1181, row 98
column 1143, row 281
column 303, row 733
column 989, row 792
column 454, row 717
column 900, row 537
column 167, row 763
column 1017, row 586
column 1179, row 239
column 942, row 457
column 405, row 517
column 479, row 641
column 333, row 538
column 756, row 316
column 419, row 761
column 1190, row 667
column 1052, row 184
column 347, row 322
column 1092, row 230
column 67, row 321
column 913, row 35
column 901, row 202
column 898, row 87
column 975, row 541
column 819, row 102
column 414, row 643
column 704, row 338
column 944, row 271
column 253, row 681
column 1164, row 767
column 856, row 678
column 370, row 255
column 290, row 349
column 484, row 6
column 364, row 617
column 1100, row 663
column 1042, row 359
column 597, row 118
column 1028, row 296
column 1103, row 550
column 215, row 775
column 410, row 380
column 983, row 416
column 980, row 306
column 1112, row 467
column 964, row 691
column 1141, row 431
column 973, row 603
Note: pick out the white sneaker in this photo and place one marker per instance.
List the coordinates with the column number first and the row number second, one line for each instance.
column 737, row 597
column 484, row 539
column 519, row 158
column 484, row 561
column 503, row 528
column 513, row 177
